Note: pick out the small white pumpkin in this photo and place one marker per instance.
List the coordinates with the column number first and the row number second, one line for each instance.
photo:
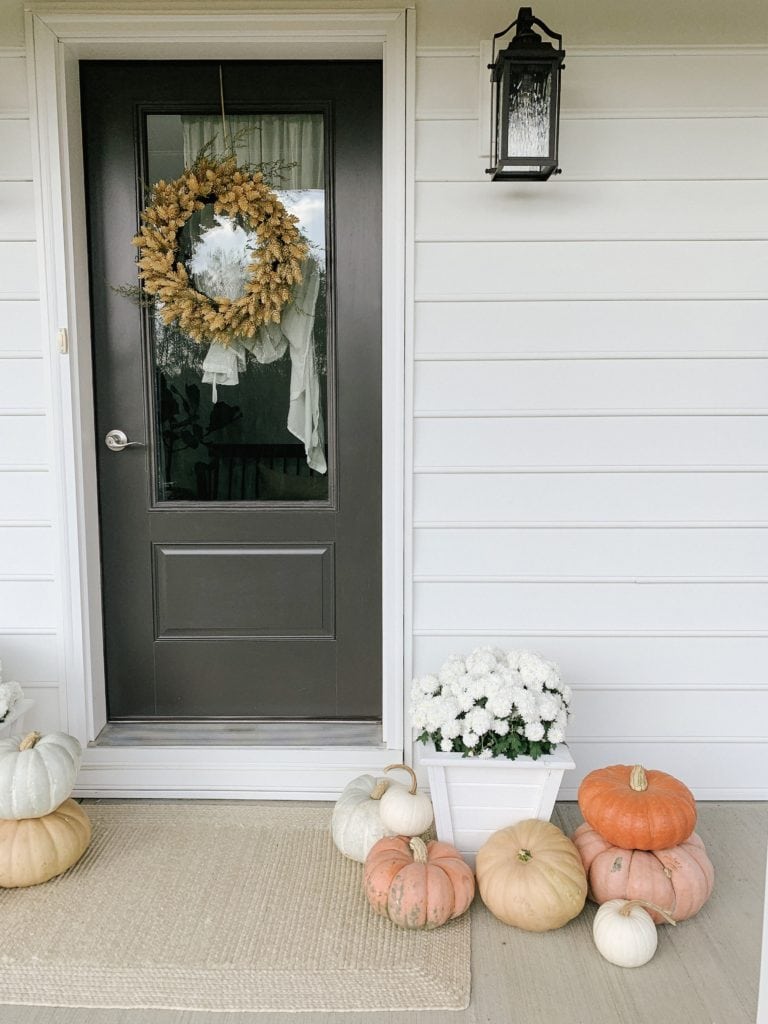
column 356, row 821
column 625, row 933
column 405, row 811
column 37, row 773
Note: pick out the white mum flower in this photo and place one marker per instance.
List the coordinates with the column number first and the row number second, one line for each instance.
column 555, row 734
column 513, row 659
column 534, row 731
column 470, row 739
column 532, row 669
column 485, row 754
column 481, row 661
column 450, row 730
column 480, row 720
column 446, row 745
column 567, row 693
column 429, row 684
column 465, row 700
column 500, row 726
column 548, row 707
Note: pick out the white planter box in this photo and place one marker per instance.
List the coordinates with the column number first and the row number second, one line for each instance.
column 14, row 723
column 474, row 798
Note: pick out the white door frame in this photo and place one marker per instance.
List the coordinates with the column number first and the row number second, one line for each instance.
column 57, row 39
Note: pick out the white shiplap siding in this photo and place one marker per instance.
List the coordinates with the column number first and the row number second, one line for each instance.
column 29, row 596
column 591, row 403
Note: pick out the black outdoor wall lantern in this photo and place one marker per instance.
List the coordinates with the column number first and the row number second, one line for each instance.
column 525, row 102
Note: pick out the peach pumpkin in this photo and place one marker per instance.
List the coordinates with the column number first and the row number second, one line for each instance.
column 679, row 880
column 417, row 884
column 33, row 850
column 637, row 809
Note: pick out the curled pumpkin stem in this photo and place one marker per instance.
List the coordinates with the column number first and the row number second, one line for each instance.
column 646, row 905
column 380, row 789
column 411, row 772
column 638, row 780
column 30, row 740
column 419, row 850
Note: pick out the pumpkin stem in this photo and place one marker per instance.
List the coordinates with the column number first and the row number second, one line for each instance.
column 638, row 780
column 419, row 849
column 524, row 855
column 410, row 771
column 627, row 908
column 379, row 789
column 30, row 740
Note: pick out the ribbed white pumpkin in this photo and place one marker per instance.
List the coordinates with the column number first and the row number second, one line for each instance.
column 37, row 773
column 356, row 822
column 625, row 933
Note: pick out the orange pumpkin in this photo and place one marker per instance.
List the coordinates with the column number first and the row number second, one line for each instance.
column 678, row 880
column 637, row 809
column 417, row 884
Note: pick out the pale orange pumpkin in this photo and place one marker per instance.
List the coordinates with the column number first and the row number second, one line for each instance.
column 530, row 875
column 637, row 809
column 678, row 880
column 33, row 850
column 417, row 884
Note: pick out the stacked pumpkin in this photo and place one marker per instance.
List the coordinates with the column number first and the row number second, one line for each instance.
column 413, row 883
column 42, row 831
column 641, row 853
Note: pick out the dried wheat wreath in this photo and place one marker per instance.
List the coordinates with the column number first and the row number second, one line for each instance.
column 274, row 268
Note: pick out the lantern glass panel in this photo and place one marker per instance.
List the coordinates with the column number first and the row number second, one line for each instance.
column 530, row 110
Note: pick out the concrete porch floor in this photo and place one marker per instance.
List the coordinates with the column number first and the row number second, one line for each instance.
column 705, row 971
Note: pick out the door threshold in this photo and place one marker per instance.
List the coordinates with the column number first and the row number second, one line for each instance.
column 240, row 733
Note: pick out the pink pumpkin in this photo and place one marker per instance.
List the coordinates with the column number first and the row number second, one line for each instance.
column 679, row 880
column 417, row 884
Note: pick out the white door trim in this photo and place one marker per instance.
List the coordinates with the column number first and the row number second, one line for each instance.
column 57, row 38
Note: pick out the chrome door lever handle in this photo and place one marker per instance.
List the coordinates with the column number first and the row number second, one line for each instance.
column 116, row 441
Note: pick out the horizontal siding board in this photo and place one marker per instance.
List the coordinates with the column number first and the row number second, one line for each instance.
column 614, row 385
column 45, row 716
column 27, row 604
column 471, row 211
column 591, row 606
column 13, row 86
column 615, row 329
column 671, row 84
column 653, row 498
column 662, row 714
column 17, row 210
column 25, row 550
column 29, row 658
column 20, row 327
column 447, row 85
column 23, row 441
column 592, row 441
column 610, row 149
column 713, row 770
column 18, row 270
column 620, row 662
column 21, row 382
column 15, row 151
column 541, row 270
column 25, row 497
column 557, row 553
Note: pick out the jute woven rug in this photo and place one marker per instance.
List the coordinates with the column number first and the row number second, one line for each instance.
column 207, row 906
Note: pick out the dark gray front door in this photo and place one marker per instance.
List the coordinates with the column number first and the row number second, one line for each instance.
column 241, row 541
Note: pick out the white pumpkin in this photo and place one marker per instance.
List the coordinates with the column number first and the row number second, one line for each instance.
column 37, row 773
column 405, row 811
column 625, row 933
column 356, row 822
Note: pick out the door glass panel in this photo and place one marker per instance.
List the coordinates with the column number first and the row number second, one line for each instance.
column 247, row 421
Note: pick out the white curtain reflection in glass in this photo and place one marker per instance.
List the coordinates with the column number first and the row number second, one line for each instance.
column 292, row 143
column 530, row 91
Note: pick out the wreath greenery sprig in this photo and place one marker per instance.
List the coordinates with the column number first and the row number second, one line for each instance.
column 274, row 269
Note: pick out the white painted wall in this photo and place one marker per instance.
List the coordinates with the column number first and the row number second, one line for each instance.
column 590, row 400
column 590, row 361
